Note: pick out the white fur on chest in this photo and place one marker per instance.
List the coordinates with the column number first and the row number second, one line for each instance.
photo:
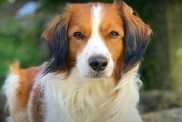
column 78, row 99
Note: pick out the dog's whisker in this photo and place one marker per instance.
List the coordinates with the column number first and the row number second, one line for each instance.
column 122, row 63
column 114, row 72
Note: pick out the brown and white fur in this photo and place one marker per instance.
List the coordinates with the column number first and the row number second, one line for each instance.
column 68, row 88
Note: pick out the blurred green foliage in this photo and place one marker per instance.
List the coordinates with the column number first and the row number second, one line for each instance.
column 18, row 43
column 3, row 3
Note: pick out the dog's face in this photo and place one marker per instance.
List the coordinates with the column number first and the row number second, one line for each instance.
column 100, row 40
column 95, row 39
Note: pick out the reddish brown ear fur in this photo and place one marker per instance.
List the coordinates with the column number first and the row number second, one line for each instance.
column 49, row 33
column 135, row 22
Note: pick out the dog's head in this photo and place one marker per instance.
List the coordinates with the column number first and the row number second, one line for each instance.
column 99, row 40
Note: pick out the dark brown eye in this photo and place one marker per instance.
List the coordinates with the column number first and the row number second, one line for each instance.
column 78, row 35
column 113, row 35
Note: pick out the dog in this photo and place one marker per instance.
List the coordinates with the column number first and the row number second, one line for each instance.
column 91, row 74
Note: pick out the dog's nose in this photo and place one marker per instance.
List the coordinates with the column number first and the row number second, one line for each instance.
column 98, row 63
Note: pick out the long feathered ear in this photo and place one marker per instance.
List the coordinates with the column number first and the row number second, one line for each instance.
column 137, row 35
column 56, row 36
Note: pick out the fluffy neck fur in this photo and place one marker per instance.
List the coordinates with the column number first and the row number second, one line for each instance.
column 78, row 99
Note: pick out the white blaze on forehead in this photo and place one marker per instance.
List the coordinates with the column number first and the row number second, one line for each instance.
column 96, row 18
column 95, row 43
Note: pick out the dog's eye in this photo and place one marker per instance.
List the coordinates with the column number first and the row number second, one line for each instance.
column 113, row 34
column 78, row 35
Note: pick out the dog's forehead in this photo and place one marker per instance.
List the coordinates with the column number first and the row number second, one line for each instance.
column 84, row 10
column 83, row 14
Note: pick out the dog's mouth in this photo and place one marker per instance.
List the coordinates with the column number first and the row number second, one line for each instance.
column 96, row 75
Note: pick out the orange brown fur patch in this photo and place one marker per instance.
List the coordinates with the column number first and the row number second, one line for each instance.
column 37, row 104
column 26, row 80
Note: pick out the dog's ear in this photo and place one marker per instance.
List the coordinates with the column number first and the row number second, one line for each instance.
column 56, row 37
column 137, row 35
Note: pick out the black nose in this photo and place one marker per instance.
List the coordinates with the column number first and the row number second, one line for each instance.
column 98, row 63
